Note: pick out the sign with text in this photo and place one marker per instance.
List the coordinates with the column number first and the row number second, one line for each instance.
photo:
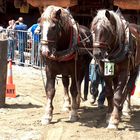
column 108, row 68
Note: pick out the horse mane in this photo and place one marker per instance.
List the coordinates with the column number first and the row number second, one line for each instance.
column 66, row 18
column 105, row 22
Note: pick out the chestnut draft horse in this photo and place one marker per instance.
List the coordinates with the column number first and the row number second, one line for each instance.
column 116, row 47
column 65, row 50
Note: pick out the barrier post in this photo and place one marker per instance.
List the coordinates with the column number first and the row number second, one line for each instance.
column 3, row 70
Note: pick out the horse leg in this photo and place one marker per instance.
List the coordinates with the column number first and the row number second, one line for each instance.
column 130, row 87
column 74, row 105
column 126, row 111
column 109, row 96
column 78, row 99
column 50, row 92
column 116, row 113
column 78, row 86
column 66, row 104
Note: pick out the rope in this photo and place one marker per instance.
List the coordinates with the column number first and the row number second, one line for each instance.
column 42, row 74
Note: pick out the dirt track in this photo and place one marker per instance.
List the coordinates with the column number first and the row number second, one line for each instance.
column 20, row 120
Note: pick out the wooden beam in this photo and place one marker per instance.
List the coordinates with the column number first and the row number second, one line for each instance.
column 62, row 3
column 128, row 4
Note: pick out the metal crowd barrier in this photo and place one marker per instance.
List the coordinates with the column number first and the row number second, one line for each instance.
column 23, row 47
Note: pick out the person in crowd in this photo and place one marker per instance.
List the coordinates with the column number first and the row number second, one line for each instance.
column 11, row 39
column 96, row 80
column 86, row 84
column 22, row 38
column 35, row 35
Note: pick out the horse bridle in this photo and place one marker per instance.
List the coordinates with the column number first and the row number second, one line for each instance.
column 106, row 45
column 45, row 42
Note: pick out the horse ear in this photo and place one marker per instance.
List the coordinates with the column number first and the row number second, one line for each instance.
column 58, row 13
column 118, row 11
column 107, row 14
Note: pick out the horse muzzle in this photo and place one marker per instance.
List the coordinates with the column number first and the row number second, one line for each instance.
column 47, row 53
column 99, row 53
column 45, row 50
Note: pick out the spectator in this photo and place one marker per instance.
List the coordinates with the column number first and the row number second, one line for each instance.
column 96, row 79
column 1, row 28
column 86, row 84
column 11, row 39
column 22, row 39
column 35, row 42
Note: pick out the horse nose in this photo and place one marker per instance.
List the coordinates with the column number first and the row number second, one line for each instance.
column 45, row 50
column 97, row 52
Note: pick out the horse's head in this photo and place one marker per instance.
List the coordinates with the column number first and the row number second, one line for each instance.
column 55, row 27
column 104, row 33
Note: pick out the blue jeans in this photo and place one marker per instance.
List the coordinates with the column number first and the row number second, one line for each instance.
column 35, row 54
column 22, row 44
column 11, row 47
column 21, row 50
column 96, row 79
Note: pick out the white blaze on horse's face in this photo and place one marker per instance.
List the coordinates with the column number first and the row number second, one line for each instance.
column 45, row 28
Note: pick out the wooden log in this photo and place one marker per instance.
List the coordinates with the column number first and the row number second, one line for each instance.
column 62, row 3
column 3, row 70
column 128, row 4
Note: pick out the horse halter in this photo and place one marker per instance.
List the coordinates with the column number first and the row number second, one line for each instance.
column 62, row 55
column 45, row 42
column 99, row 44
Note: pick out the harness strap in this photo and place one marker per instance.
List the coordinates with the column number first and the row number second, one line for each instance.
column 124, row 48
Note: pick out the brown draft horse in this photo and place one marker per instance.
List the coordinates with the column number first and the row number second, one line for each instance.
column 61, row 41
column 116, row 47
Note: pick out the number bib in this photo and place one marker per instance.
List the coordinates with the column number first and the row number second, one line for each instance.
column 108, row 68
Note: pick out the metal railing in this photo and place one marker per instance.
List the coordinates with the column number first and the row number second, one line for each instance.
column 23, row 47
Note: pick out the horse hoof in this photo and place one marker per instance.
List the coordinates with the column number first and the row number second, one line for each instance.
column 73, row 118
column 127, row 114
column 45, row 121
column 92, row 102
column 112, row 126
column 108, row 117
column 65, row 109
